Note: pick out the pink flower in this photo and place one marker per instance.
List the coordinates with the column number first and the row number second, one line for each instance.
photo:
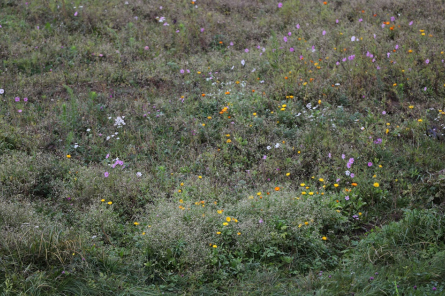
column 360, row 20
column 246, row 50
column 20, row 110
column 106, row 174
column 289, row 34
column 285, row 39
column 181, row 71
column 370, row 164
column 75, row 14
column 17, row 99
column 25, row 99
column 297, row 26
column 410, row 23
column 146, row 48
column 427, row 61
column 336, row 21
column 280, row 5
column 324, row 33
column 291, row 49
column 202, row 30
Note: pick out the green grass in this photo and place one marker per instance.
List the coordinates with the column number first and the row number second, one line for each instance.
column 244, row 148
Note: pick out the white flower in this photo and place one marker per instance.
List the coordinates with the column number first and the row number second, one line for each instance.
column 139, row 174
column 243, row 62
column 268, row 147
column 337, row 84
column 75, row 145
column 347, row 173
column 2, row 91
column 119, row 121
column 277, row 145
column 108, row 138
column 353, row 38
column 88, row 129
column 298, row 114
column 362, row 128
column 253, row 70
column 309, row 106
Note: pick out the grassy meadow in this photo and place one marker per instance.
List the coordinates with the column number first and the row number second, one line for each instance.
column 222, row 147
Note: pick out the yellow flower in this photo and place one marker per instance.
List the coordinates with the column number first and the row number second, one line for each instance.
column 324, row 238
column 136, row 223
column 110, row 202
column 254, row 114
column 283, row 109
column 338, row 211
column 311, row 193
column 181, row 201
column 411, row 107
column 219, row 232
column 182, row 184
column 199, row 72
column 288, row 174
column 306, row 223
column 215, row 246
column 143, row 233
column 302, row 184
column 359, row 213
column 304, row 192
column 335, row 185
column 380, row 166
column 239, row 233
column 210, row 117
column 68, row 156
column 102, row 200
column 321, row 180
column 237, row 82
column 395, row 84
column 376, row 184
column 284, row 106
column 227, row 135
column 228, row 219
column 419, row 120
column 236, row 221
column 199, row 177
column 179, row 190
column 259, row 193
column 203, row 124
column 251, row 197
column 225, row 223
column 299, row 225
column 374, row 176
column 229, row 141
column 387, row 131
column 219, row 211
column 388, row 123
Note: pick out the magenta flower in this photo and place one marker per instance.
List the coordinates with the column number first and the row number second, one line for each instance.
column 146, row 48
column 324, row 33
column 291, row 49
column 343, row 156
column 202, row 30
column 289, row 34
column 352, row 175
column 17, row 99
column 427, row 61
column 336, row 21
column 246, row 50
column 260, row 221
column 20, row 110
column 25, row 99
column 280, row 5
column 410, row 23
column 297, row 26
column 370, row 164
column 181, row 71
column 106, row 174
column 285, row 39
column 393, row 19
column 75, row 14
column 108, row 155
column 360, row 20
column 301, row 57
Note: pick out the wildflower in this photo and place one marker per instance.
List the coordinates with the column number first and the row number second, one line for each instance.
column 246, row 50
column 229, row 141
column 335, row 185
column 136, row 223
column 225, row 223
column 260, row 221
column 347, row 197
column 280, row 5
column 302, row 184
column 106, row 174
column 68, row 156
column 110, row 202
column 324, row 238
column 288, row 174
column 321, row 180
column 369, row 164
column 277, row 145
column 419, row 120
column 239, row 233
column 411, row 107
column 228, row 219
column 2, row 91
column 376, row 184
column 306, row 223
column 215, row 246
column 102, row 200
column 17, row 99
column 427, row 61
column 218, row 232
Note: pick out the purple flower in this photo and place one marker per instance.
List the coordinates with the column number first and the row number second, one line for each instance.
column 329, row 155
column 347, row 197
column 378, row 141
column 371, row 278
column 106, row 174
column 260, row 221
column 280, row 5
column 434, row 288
column 246, row 50
column 393, row 19
column 369, row 164
column 343, row 156
column 301, row 57
column 336, row 21
column 108, row 155
column 376, row 273
column 289, row 34
column 202, row 30
column 20, row 110
column 181, row 71
column 424, row 89
column 297, row 26
column 264, row 157
column 410, row 23
column 397, row 46
column 351, row 160
column 348, row 165
column 231, row 43
column 415, row 287
column 17, row 99
column 352, row 175
column 337, row 180
column 291, row 49
column 360, row 20
column 324, row 33
column 75, row 14
column 285, row 39
column 427, row 61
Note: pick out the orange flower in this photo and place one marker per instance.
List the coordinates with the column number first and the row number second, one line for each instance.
column 354, row 184
column 253, row 90
column 391, row 28
column 203, row 95
column 220, row 42
column 277, row 188
column 285, row 77
column 325, row 2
